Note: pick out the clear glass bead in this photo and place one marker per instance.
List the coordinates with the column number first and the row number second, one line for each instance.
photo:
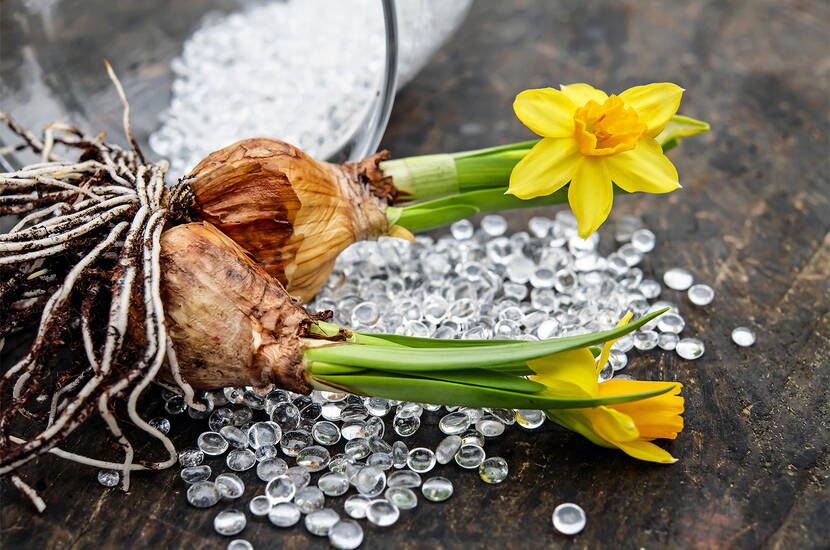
column 229, row 522
column 494, row 225
column 382, row 513
column 212, row 443
column 569, row 519
column 161, row 424
column 230, row 486
column 284, row 514
column 668, row 341
column 266, row 470
column 617, row 359
column 193, row 474
column 530, row 419
column 701, row 295
column 234, row 436
column 690, row 348
column 370, row 481
column 671, row 322
column 259, row 505
column 645, row 339
column 493, row 470
column 437, row 489
column 346, row 534
column 421, row 460
column 286, row 416
column 356, row 505
column 319, row 522
column 203, row 494
column 406, row 427
column 191, row 457
column 399, row 454
column 240, row 544
column 402, row 498
column 295, row 441
column 314, row 458
column 280, row 489
column 678, row 278
column 108, row 478
column 309, row 499
column 643, row 240
column 743, row 336
column 462, row 230
column 454, row 423
column 240, row 460
column 447, row 448
column 469, row 456
column 651, row 289
column 333, row 484
column 299, row 476
column 489, row 426
column 404, row 478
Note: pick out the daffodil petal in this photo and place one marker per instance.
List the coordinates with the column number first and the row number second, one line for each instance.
column 581, row 93
column 546, row 111
column 655, row 104
column 547, row 168
column 576, row 421
column 606, row 347
column 645, row 450
column 567, row 373
column 612, row 425
column 680, row 126
column 591, row 195
column 645, row 168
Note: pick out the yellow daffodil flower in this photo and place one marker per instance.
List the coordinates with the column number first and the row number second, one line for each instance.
column 591, row 140
column 628, row 426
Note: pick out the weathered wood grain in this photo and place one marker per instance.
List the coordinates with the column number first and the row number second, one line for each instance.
column 752, row 221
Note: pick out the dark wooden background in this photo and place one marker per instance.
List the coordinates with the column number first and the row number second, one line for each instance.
column 752, row 221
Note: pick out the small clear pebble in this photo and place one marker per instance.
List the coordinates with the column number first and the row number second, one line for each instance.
column 421, row 460
column 366, row 313
column 381, row 460
column 358, row 448
column 229, row 522
column 645, row 339
column 333, row 484
column 240, row 460
column 319, row 522
column 203, row 494
column 356, row 506
column 402, row 497
column 617, row 359
column 240, row 544
column 309, row 499
column 437, row 489
column 233, row 435
column 377, row 406
column 161, row 424
column 404, row 478
column 643, row 240
column 261, row 434
column 212, row 443
column 406, row 426
column 494, row 225
column 267, row 470
column 399, row 454
column 678, row 278
column 529, row 418
column 286, row 415
column 175, row 405
column 325, row 433
column 353, row 429
column 191, row 457
column 382, row 513
column 668, row 341
column 454, row 423
column 294, row 441
column 266, row 452
column 260, row 505
column 743, row 336
column 493, row 470
column 370, row 481
column 472, row 437
column 298, row 475
column 701, row 295
column 470, row 456
column 670, row 322
column 462, row 230
column 489, row 426
column 284, row 514
column 314, row 458
column 108, row 478
column 445, row 451
column 690, row 348
column 651, row 289
column 280, row 489
column 230, row 486
column 346, row 534
column 569, row 519
column 192, row 474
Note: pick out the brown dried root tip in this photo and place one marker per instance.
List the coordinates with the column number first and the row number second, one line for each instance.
column 230, row 322
column 292, row 213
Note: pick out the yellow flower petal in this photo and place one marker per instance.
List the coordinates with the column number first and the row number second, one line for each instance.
column 655, row 104
column 546, row 111
column 612, row 425
column 680, row 126
column 645, row 450
column 606, row 347
column 645, row 168
column 591, row 194
column 569, row 373
column 581, row 94
column 545, row 169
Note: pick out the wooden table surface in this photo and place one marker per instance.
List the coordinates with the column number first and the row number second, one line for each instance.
column 752, row 221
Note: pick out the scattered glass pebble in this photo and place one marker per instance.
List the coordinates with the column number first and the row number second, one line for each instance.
column 569, row 518
column 454, row 423
column 382, row 513
column 402, row 498
column 421, row 460
column 240, row 460
column 325, row 433
column 212, row 443
column 489, row 426
column 671, row 322
column 678, row 278
column 437, row 489
column 313, row 458
column 356, row 506
column 319, row 522
column 234, row 436
column 260, row 505
column 161, row 424
column 333, row 484
column 346, row 534
column 299, row 476
column 108, row 478
column 191, row 457
column 493, row 470
column 701, row 295
column 668, row 341
column 203, row 494
column 284, row 514
column 267, row 470
column 309, row 499
column 743, row 336
column 530, row 419
column 192, row 474
column 469, row 456
column 280, row 489
column 370, row 481
column 446, row 450
column 264, row 433
column 690, row 348
column 230, row 486
column 229, row 522
column 240, row 544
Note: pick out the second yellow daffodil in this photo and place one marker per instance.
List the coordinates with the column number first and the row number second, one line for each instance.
column 592, row 139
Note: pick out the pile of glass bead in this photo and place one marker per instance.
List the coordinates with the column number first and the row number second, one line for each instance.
column 308, row 451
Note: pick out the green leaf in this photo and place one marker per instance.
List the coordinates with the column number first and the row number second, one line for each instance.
column 441, row 392
column 417, row 219
column 452, row 358
column 321, row 368
column 419, row 342
column 679, row 127
column 487, row 379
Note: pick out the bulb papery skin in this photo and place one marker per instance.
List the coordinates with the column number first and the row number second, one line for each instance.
column 231, row 323
column 293, row 214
